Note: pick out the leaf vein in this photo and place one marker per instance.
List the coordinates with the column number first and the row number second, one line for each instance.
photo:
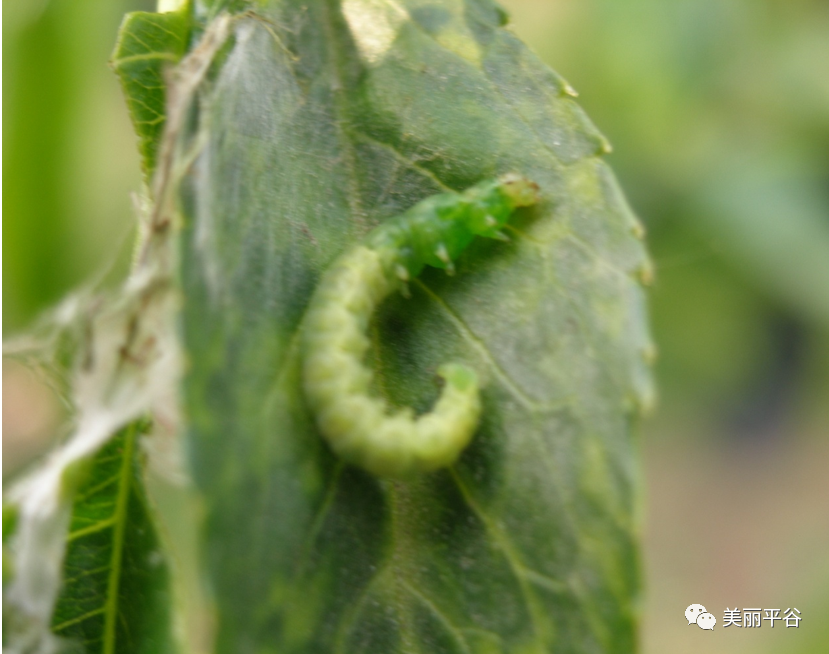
column 78, row 619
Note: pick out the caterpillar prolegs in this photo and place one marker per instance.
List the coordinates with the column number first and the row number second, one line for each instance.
column 360, row 427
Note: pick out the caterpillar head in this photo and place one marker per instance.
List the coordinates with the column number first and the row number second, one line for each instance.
column 520, row 190
column 494, row 202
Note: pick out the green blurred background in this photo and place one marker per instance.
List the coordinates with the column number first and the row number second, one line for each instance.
column 719, row 114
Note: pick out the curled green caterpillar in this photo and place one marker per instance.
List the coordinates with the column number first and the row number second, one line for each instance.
column 360, row 427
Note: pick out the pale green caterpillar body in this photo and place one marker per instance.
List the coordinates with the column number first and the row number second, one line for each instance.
column 360, row 427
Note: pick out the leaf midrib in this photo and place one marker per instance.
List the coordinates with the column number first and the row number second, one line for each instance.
column 120, row 518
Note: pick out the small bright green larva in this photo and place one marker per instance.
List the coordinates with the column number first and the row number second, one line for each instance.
column 361, row 428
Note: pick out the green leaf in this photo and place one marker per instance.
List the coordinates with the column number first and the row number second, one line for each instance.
column 323, row 120
column 115, row 597
column 149, row 44
column 10, row 516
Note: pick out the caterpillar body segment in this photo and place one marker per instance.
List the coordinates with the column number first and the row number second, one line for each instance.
column 359, row 426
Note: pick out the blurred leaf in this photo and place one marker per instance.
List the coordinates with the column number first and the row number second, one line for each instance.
column 322, row 121
column 39, row 91
column 148, row 44
column 10, row 516
column 773, row 222
column 115, row 597
column 68, row 162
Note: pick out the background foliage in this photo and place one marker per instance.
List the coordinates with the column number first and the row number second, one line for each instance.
column 719, row 113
